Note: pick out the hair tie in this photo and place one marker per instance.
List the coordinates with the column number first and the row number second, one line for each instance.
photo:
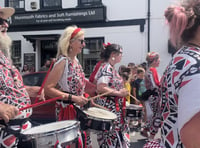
column 105, row 45
column 74, row 33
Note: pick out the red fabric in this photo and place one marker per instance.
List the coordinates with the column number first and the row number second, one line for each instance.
column 124, row 108
column 56, row 144
column 86, row 95
column 155, row 76
column 91, row 79
column 69, row 113
column 75, row 32
column 117, row 104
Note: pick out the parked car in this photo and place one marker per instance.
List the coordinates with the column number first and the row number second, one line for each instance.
column 44, row 113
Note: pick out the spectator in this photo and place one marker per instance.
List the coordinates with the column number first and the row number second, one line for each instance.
column 152, row 84
column 25, row 69
column 46, row 66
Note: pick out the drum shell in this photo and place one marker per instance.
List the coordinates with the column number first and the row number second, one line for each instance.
column 134, row 112
column 93, row 123
column 64, row 135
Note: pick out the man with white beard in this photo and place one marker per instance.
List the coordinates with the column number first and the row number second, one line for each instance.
column 13, row 93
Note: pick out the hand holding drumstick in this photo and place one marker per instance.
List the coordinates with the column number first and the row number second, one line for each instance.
column 137, row 101
column 95, row 97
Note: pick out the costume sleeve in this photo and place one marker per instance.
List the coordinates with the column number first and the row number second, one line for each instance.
column 189, row 99
column 105, row 74
column 155, row 76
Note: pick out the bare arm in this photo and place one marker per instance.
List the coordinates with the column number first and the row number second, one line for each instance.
column 102, row 88
column 190, row 132
column 52, row 80
column 33, row 92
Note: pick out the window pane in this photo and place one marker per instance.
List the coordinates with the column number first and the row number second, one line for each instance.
column 51, row 3
column 16, row 3
column 16, row 53
column 91, row 54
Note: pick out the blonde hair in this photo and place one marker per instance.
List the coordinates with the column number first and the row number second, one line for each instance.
column 64, row 40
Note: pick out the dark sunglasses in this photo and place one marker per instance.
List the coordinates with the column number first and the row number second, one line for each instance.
column 2, row 21
column 82, row 41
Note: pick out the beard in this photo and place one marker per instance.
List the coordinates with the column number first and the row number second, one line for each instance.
column 5, row 45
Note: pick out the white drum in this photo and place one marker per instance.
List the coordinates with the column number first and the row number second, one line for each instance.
column 97, row 119
column 48, row 135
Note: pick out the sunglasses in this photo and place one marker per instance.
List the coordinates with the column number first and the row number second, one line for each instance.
column 2, row 21
column 82, row 41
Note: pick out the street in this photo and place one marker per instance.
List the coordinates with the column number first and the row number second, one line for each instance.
column 137, row 141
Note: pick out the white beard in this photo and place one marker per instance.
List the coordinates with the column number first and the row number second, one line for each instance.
column 5, row 45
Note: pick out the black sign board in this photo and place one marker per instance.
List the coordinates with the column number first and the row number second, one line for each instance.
column 62, row 16
column 29, row 59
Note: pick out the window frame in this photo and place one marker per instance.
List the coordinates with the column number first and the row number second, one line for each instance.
column 92, row 3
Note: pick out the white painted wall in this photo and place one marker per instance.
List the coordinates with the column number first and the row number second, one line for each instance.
column 125, row 9
column 132, row 40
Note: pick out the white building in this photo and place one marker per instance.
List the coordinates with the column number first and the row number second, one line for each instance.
column 37, row 24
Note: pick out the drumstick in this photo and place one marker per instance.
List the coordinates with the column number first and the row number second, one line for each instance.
column 134, row 98
column 106, row 93
column 40, row 103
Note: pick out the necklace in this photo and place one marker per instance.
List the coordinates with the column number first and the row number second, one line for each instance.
column 193, row 44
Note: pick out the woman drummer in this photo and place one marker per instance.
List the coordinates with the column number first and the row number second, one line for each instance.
column 108, row 80
column 67, row 78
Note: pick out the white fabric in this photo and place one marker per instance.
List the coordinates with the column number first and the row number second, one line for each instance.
column 189, row 101
column 149, row 111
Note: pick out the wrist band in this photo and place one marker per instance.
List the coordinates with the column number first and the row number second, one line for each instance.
column 70, row 97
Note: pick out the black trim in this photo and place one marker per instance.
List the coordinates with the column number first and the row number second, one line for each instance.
column 140, row 22
column 33, row 38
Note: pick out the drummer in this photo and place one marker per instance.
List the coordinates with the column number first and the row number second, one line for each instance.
column 67, row 78
column 13, row 93
column 107, row 79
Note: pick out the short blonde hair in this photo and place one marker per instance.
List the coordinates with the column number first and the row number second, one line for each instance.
column 65, row 38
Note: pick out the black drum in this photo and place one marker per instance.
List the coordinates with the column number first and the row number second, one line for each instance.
column 134, row 112
column 96, row 119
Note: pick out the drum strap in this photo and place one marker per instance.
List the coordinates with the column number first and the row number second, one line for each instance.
column 8, row 129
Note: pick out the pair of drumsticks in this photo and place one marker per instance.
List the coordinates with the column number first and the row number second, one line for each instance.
column 57, row 98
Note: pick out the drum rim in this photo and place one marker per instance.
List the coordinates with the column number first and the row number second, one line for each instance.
column 100, row 118
column 133, row 106
column 42, row 133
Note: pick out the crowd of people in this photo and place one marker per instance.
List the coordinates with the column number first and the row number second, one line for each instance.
column 170, row 104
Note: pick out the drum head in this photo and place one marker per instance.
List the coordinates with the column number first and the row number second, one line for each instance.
column 49, row 127
column 100, row 113
column 133, row 106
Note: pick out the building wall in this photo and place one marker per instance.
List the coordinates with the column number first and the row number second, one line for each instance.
column 132, row 40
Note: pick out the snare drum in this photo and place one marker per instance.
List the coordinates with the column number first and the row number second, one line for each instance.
column 49, row 135
column 134, row 111
column 97, row 119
